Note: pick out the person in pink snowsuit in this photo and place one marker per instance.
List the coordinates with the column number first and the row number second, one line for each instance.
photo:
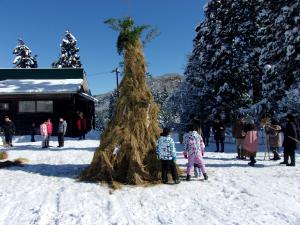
column 193, row 151
column 44, row 134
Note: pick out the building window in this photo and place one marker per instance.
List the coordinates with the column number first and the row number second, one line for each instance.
column 4, row 106
column 35, row 106
column 26, row 106
column 44, row 106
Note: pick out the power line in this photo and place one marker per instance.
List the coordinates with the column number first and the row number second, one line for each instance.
column 99, row 73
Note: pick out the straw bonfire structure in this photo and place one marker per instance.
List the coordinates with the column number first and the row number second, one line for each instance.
column 127, row 148
column 8, row 163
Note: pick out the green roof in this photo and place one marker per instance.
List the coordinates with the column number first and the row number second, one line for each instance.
column 37, row 74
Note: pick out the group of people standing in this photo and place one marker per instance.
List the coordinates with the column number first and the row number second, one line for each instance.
column 46, row 130
column 246, row 134
column 247, row 142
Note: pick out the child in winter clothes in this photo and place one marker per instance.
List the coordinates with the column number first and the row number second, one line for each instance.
column 166, row 152
column 44, row 134
column 193, row 151
column 250, row 144
column 197, row 170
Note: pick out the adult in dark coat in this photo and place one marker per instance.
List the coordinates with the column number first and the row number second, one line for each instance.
column 9, row 130
column 61, row 131
column 32, row 132
column 289, row 143
column 219, row 133
column 239, row 135
column 206, row 131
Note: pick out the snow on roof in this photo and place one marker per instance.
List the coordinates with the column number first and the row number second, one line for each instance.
column 88, row 97
column 28, row 86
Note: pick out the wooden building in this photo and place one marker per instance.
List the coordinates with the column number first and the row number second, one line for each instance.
column 33, row 95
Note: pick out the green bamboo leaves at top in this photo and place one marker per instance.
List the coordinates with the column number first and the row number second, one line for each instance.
column 130, row 33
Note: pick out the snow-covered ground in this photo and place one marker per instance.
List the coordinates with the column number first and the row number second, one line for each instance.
column 45, row 191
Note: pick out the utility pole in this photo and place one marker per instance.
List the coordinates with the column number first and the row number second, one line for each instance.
column 116, row 70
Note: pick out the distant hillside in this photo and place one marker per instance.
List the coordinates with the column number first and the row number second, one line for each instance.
column 168, row 82
column 161, row 87
column 103, row 101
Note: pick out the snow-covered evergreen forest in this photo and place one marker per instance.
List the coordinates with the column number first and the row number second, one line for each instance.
column 245, row 58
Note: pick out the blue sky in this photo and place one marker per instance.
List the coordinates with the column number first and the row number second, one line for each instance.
column 42, row 24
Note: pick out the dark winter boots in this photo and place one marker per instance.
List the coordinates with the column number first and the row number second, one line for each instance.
column 252, row 161
column 276, row 155
column 176, row 181
column 240, row 153
column 188, row 177
column 285, row 158
column 293, row 162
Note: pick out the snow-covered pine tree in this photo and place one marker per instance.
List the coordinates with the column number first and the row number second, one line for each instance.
column 224, row 62
column 69, row 56
column 234, row 60
column 280, row 56
column 23, row 58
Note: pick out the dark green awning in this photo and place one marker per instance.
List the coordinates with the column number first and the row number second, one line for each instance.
column 35, row 74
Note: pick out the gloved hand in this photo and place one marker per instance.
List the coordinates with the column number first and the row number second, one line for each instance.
column 174, row 159
column 157, row 156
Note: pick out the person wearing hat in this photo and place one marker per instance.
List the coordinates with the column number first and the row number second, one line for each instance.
column 289, row 143
column 274, row 141
column 9, row 130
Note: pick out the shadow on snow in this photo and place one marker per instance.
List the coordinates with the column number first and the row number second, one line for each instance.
column 65, row 170
column 52, row 148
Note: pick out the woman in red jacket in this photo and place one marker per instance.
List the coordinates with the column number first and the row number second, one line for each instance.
column 81, row 126
column 49, row 131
